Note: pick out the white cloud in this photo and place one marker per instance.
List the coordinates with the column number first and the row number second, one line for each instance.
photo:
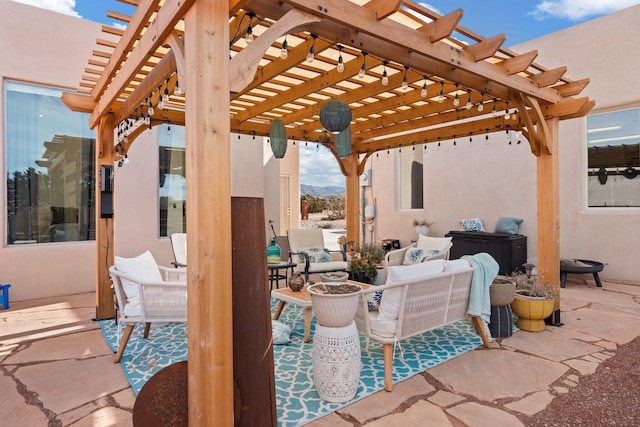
column 318, row 166
column 579, row 9
column 62, row 6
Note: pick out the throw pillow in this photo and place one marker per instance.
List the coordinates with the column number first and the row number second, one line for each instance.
column 280, row 332
column 373, row 300
column 413, row 256
column 143, row 268
column 471, row 224
column 390, row 302
column 433, row 245
column 317, row 255
column 508, row 225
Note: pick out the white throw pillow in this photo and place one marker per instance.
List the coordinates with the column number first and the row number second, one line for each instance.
column 429, row 244
column 144, row 268
column 390, row 303
column 414, row 256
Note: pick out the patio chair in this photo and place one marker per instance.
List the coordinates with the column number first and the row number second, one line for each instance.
column 434, row 247
column 308, row 250
column 144, row 296
column 179, row 247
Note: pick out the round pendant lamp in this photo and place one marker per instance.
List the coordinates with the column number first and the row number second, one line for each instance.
column 335, row 116
column 343, row 143
column 278, row 139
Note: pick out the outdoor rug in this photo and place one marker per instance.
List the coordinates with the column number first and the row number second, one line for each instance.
column 298, row 402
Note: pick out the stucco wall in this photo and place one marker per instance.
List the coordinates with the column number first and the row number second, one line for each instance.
column 42, row 47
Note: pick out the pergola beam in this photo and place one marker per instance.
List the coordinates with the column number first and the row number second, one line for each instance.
column 383, row 8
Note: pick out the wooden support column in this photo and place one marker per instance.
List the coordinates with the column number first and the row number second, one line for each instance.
column 105, row 308
column 208, row 158
column 548, row 172
column 352, row 198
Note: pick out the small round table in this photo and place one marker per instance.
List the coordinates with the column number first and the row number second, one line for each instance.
column 586, row 266
column 275, row 274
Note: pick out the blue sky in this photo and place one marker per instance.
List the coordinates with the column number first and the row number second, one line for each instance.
column 520, row 20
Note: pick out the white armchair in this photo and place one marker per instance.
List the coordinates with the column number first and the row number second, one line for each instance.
column 179, row 247
column 434, row 247
column 307, row 249
column 144, row 296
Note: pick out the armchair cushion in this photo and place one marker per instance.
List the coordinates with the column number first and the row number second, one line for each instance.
column 431, row 244
column 142, row 267
column 414, row 256
column 317, row 255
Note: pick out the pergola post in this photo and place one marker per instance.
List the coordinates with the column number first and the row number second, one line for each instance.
column 548, row 174
column 105, row 308
column 352, row 197
column 208, row 162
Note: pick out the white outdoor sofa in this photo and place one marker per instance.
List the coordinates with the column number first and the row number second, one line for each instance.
column 419, row 303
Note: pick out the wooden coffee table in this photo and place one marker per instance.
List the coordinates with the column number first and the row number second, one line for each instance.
column 301, row 299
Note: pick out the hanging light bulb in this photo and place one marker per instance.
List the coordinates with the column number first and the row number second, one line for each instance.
column 168, row 129
column 160, row 104
column 441, row 96
column 423, row 93
column 249, row 36
column 165, row 96
column 385, row 76
column 176, row 90
column 481, row 104
column 507, row 115
column 150, row 110
column 147, row 119
column 340, row 67
column 150, row 130
column 284, row 53
column 486, row 139
column 469, row 104
column 494, row 111
column 405, row 80
column 312, row 49
column 363, row 68
column 514, row 114
column 456, row 99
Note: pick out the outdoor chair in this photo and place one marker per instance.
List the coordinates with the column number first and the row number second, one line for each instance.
column 433, row 247
column 308, row 250
column 179, row 247
column 144, row 296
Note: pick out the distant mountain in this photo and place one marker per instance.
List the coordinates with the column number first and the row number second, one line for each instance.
column 324, row 192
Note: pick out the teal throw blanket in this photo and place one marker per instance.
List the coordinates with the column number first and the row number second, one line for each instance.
column 485, row 269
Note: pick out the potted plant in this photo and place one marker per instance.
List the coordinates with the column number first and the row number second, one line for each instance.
column 364, row 265
column 533, row 302
column 422, row 226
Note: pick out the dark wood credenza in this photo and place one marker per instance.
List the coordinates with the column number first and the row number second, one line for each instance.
column 509, row 250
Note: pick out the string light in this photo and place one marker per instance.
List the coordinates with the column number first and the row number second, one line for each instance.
column 249, row 36
column 312, row 49
column 469, row 104
column 481, row 104
column 405, row 80
column 363, row 68
column 284, row 53
column 176, row 90
column 340, row 60
column 160, row 104
column 385, row 75
column 441, row 96
column 424, row 88
column 456, row 99
column 494, row 111
column 169, row 130
column 150, row 110
column 507, row 115
column 486, row 138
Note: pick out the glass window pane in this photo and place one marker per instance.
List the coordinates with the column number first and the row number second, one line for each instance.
column 410, row 172
column 50, row 168
column 172, row 185
column 613, row 147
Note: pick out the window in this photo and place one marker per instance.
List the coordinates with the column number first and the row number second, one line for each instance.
column 172, row 186
column 410, row 178
column 50, row 168
column 613, row 150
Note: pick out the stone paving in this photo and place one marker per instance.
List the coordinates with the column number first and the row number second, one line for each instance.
column 58, row 371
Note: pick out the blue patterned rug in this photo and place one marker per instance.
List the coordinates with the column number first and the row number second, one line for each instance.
column 298, row 402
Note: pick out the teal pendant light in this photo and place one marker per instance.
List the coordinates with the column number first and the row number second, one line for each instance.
column 278, row 139
column 342, row 142
column 335, row 116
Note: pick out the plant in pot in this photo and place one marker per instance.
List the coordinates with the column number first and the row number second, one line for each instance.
column 533, row 302
column 422, row 226
column 363, row 266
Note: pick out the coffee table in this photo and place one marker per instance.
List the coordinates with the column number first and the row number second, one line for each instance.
column 301, row 299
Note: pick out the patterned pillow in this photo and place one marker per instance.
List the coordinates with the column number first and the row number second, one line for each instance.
column 414, row 256
column 373, row 300
column 471, row 224
column 280, row 332
column 317, row 255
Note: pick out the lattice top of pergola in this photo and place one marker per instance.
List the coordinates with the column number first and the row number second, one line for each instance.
column 438, row 88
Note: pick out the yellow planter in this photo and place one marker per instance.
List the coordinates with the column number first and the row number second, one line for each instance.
column 531, row 311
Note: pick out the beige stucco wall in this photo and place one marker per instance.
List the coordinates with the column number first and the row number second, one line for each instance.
column 43, row 47
column 498, row 179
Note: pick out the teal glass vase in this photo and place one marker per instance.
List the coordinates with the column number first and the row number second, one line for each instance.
column 273, row 253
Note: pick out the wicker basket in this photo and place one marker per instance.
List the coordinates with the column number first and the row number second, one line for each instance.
column 502, row 292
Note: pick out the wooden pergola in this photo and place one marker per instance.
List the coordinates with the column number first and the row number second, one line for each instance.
column 230, row 85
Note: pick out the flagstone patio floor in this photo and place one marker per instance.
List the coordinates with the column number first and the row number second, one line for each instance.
column 57, row 369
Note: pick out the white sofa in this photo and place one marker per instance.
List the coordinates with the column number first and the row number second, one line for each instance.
column 417, row 298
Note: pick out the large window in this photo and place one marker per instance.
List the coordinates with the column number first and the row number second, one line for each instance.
column 50, row 168
column 172, row 187
column 613, row 147
column 410, row 178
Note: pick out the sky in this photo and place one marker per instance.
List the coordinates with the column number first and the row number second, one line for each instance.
column 519, row 20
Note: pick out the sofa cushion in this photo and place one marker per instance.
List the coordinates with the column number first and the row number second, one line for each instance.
column 432, row 245
column 390, row 302
column 382, row 328
column 144, row 268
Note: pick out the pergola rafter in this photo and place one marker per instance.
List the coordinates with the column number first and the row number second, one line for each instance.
column 201, row 44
